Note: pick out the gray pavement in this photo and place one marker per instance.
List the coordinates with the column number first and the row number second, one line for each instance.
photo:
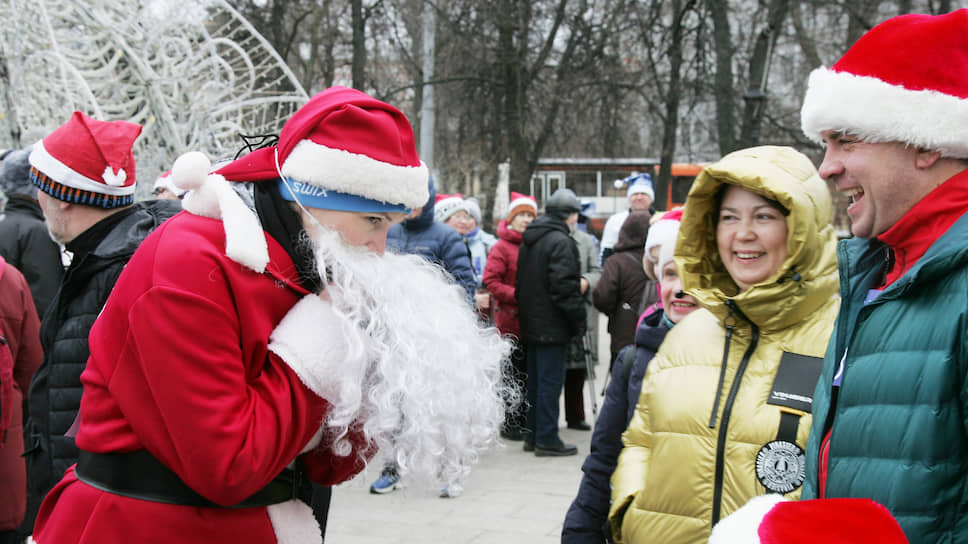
column 510, row 497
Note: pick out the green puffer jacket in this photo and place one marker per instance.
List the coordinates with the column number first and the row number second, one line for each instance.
column 900, row 428
column 702, row 423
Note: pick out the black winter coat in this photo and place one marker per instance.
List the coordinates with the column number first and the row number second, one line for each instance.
column 26, row 244
column 585, row 522
column 548, row 287
column 55, row 390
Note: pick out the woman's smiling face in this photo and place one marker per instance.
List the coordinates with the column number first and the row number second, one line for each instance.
column 751, row 234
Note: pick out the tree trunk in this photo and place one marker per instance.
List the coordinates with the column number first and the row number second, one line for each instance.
column 725, row 96
column 807, row 44
column 359, row 45
column 672, row 98
column 759, row 71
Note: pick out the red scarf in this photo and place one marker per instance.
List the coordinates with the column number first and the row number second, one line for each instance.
column 914, row 233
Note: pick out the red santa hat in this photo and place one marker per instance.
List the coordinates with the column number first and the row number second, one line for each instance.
column 447, row 205
column 772, row 519
column 87, row 161
column 343, row 150
column 905, row 80
column 521, row 203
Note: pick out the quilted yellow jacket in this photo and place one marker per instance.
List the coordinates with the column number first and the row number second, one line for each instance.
column 709, row 411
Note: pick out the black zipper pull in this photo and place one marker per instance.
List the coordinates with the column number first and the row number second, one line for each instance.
column 729, row 323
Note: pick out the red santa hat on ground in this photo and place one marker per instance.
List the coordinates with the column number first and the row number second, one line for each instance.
column 521, row 203
column 772, row 519
column 343, row 150
column 905, row 80
column 447, row 205
column 87, row 161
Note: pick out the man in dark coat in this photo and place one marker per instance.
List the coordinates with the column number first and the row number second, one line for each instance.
column 85, row 175
column 552, row 312
column 24, row 240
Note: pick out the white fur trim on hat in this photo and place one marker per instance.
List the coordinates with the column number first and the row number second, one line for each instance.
column 42, row 160
column 293, row 523
column 357, row 174
column 311, row 340
column 666, row 252
column 523, row 201
column 876, row 111
column 446, row 207
column 741, row 526
column 661, row 233
column 641, row 187
column 212, row 196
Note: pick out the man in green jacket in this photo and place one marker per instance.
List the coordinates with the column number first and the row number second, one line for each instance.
column 891, row 408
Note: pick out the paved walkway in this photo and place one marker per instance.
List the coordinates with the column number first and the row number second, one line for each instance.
column 510, row 497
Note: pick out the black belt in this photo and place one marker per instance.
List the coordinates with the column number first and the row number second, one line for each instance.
column 140, row 475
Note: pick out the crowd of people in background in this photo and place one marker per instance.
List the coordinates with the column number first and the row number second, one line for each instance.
column 335, row 300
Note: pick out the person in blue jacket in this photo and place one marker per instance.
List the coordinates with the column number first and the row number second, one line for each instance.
column 440, row 244
column 586, row 519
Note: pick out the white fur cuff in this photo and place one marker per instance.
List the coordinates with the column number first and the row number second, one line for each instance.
column 293, row 523
column 310, row 340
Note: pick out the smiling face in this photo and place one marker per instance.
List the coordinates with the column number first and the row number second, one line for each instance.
column 461, row 221
column 364, row 229
column 670, row 285
column 751, row 235
column 521, row 221
column 879, row 178
column 640, row 201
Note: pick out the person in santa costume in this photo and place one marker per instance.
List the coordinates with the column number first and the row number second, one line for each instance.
column 889, row 409
column 262, row 338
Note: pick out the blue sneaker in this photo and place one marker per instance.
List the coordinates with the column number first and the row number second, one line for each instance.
column 388, row 481
column 451, row 491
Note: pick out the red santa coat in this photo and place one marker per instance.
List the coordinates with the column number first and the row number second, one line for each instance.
column 180, row 366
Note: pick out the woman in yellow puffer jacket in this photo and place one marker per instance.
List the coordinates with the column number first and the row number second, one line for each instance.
column 724, row 410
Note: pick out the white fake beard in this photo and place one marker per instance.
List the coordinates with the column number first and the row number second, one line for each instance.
column 422, row 373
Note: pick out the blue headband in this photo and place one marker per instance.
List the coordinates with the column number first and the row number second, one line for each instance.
column 327, row 199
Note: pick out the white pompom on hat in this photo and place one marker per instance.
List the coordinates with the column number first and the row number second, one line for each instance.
column 905, row 80
column 772, row 519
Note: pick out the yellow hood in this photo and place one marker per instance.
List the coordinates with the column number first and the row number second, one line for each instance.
column 808, row 277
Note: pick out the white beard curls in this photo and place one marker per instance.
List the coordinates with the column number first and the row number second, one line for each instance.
column 421, row 371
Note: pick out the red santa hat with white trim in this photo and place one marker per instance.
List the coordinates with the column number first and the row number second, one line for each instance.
column 521, row 203
column 905, row 80
column 87, row 161
column 343, row 150
column 772, row 519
